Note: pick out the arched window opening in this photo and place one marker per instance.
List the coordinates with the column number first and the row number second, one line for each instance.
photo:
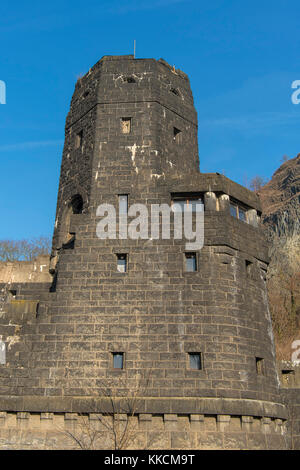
column 77, row 204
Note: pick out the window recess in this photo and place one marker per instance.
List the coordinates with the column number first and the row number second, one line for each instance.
column 126, row 125
column 190, row 262
column 238, row 211
column 195, row 361
column 195, row 203
column 118, row 360
column 122, row 263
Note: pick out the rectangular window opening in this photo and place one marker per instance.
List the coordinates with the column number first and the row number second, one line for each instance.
column 195, row 361
column 288, row 372
column 126, row 125
column 122, row 263
column 123, row 203
column 195, row 203
column 118, row 360
column 190, row 262
column 259, row 365
column 177, row 135
column 238, row 211
column 288, row 377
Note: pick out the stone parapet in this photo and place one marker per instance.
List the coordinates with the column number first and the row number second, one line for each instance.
column 20, row 430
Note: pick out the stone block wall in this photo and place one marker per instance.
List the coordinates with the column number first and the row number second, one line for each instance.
column 68, row 430
column 156, row 313
column 289, row 373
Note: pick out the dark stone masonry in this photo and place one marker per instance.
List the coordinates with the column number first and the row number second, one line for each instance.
column 186, row 357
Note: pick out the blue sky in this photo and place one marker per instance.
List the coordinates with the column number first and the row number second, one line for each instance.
column 241, row 57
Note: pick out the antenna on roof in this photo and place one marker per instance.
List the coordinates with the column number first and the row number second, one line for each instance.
column 134, row 49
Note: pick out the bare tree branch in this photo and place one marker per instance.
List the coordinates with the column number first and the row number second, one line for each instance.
column 24, row 250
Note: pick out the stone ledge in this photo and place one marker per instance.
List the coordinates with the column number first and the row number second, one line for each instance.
column 178, row 406
column 216, row 183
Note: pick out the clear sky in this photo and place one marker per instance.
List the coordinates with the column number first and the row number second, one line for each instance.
column 241, row 58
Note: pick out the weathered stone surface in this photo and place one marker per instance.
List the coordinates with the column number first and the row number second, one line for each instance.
column 60, row 361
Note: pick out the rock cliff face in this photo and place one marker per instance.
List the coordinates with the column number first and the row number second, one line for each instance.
column 280, row 200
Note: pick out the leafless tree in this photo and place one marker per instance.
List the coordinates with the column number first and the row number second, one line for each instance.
column 117, row 427
column 257, row 183
column 24, row 250
column 284, row 285
column 284, row 159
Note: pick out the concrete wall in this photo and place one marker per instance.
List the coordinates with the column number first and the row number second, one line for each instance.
column 25, row 271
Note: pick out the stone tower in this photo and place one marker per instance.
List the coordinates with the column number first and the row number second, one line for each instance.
column 187, row 334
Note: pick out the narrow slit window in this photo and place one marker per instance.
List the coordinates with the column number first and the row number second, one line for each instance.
column 122, row 263
column 118, row 360
column 54, row 282
column 259, row 365
column 190, row 262
column 177, row 135
column 126, row 125
column 123, row 204
column 78, row 141
column 2, row 353
column 248, row 267
column 195, row 360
